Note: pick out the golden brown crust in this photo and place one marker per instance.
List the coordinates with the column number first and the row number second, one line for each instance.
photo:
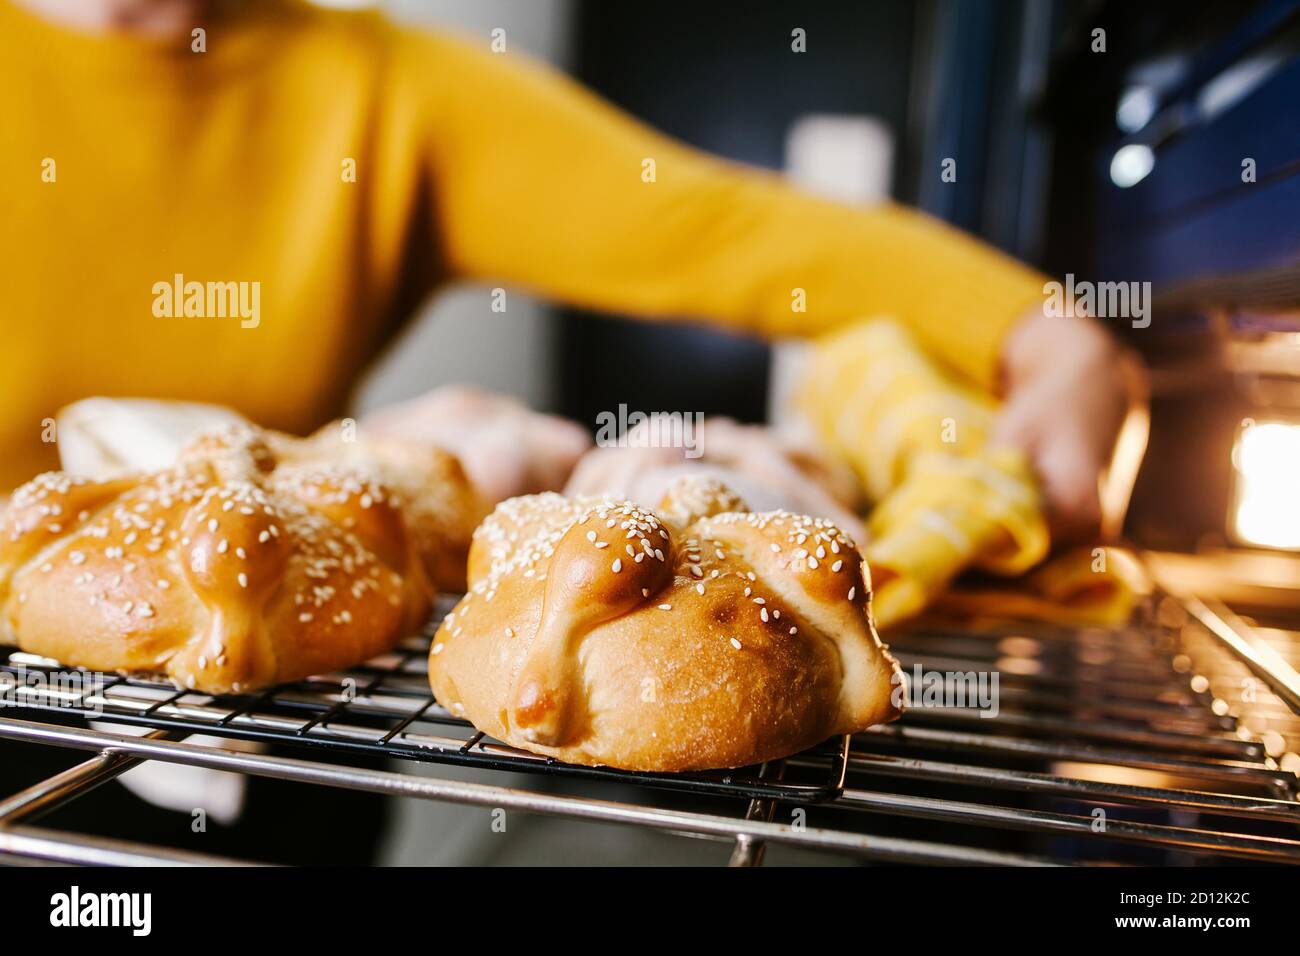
column 241, row 566
column 441, row 506
column 599, row 632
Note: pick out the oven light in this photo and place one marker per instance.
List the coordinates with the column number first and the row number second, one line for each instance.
column 1131, row 164
column 1267, row 498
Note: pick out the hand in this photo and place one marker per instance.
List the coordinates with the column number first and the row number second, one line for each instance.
column 1068, row 388
column 506, row 448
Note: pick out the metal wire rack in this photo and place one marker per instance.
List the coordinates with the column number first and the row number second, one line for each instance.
column 1172, row 739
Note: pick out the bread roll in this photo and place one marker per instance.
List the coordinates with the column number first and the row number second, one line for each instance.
column 253, row 560
column 696, row 636
column 441, row 506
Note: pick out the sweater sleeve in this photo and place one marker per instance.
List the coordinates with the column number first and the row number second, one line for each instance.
column 538, row 183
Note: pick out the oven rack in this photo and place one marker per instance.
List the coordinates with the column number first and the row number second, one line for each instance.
column 1170, row 739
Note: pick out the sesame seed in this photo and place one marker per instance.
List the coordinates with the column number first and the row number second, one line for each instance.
column 762, row 614
column 212, row 525
column 837, row 565
column 665, row 607
column 699, row 588
column 852, row 591
column 591, row 536
column 437, row 648
column 242, row 579
column 812, row 563
column 617, row 566
column 776, row 548
column 794, row 630
column 735, row 643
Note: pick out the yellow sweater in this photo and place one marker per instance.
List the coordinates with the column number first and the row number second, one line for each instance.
column 334, row 168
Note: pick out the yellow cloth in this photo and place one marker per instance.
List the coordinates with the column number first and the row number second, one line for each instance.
column 1083, row 586
column 127, row 161
column 944, row 500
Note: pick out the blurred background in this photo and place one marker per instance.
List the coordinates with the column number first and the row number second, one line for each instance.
column 1154, row 142
column 1112, row 141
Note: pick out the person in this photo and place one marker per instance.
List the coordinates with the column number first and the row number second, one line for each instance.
column 240, row 202
column 327, row 169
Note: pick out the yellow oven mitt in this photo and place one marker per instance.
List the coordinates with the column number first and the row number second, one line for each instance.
column 944, row 501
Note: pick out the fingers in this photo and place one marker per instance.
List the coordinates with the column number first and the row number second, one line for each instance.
column 1069, row 473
